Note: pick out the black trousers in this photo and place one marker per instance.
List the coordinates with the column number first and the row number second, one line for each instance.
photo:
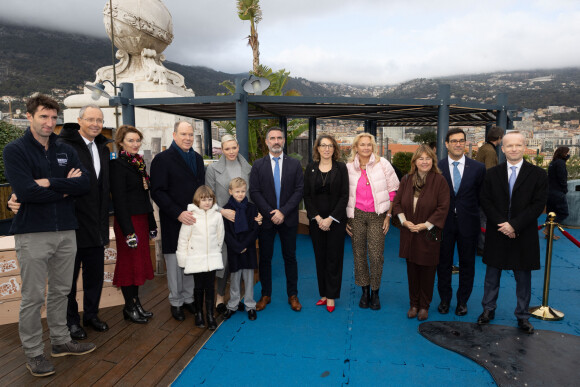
column 92, row 260
column 204, row 280
column 288, row 242
column 466, row 247
column 523, row 290
column 329, row 255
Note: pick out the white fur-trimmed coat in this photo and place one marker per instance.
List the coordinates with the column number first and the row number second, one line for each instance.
column 199, row 246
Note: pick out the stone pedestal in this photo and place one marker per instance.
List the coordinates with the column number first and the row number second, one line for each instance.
column 142, row 29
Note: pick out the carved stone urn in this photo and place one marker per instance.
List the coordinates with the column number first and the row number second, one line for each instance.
column 142, row 30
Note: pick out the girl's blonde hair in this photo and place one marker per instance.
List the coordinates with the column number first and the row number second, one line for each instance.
column 201, row 193
column 355, row 145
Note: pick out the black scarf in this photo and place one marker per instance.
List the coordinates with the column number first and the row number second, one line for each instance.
column 188, row 157
column 241, row 221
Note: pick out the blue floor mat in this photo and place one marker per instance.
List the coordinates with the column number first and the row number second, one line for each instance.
column 360, row 347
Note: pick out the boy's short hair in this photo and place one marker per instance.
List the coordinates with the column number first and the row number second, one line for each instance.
column 201, row 193
column 237, row 182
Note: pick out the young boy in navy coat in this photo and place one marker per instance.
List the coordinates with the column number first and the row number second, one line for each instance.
column 240, row 237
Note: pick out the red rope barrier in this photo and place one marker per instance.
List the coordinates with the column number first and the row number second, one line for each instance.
column 570, row 237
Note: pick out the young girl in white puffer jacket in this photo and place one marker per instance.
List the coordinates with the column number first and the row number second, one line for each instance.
column 199, row 252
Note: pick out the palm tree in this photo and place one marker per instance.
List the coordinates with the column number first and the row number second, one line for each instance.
column 250, row 10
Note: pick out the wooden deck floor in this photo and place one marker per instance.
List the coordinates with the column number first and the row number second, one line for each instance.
column 127, row 355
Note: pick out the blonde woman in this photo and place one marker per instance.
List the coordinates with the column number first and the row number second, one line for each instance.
column 372, row 187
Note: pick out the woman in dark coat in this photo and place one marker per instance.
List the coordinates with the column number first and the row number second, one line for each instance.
column 558, row 185
column 134, row 221
column 421, row 205
column 325, row 196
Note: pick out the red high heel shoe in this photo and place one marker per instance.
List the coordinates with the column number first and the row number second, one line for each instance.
column 321, row 302
column 330, row 308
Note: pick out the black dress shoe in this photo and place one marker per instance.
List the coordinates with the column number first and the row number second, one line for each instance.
column 228, row 313
column 461, row 309
column 77, row 332
column 525, row 325
column 177, row 313
column 96, row 324
column 486, row 317
column 221, row 308
column 252, row 315
column 189, row 307
column 443, row 307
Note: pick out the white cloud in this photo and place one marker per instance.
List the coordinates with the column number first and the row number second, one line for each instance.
column 368, row 41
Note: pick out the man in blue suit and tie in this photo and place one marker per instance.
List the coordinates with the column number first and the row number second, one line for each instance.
column 276, row 187
column 465, row 177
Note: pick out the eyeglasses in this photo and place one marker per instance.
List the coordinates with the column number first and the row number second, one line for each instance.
column 326, row 146
column 93, row 120
column 455, row 142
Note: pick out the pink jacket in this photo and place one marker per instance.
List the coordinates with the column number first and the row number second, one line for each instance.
column 383, row 181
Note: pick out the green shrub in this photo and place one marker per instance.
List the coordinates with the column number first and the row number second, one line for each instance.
column 8, row 133
column 402, row 160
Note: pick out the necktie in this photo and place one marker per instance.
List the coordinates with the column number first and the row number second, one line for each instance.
column 277, row 181
column 456, row 177
column 512, row 181
column 90, row 145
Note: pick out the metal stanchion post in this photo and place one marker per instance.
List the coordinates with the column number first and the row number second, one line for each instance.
column 544, row 312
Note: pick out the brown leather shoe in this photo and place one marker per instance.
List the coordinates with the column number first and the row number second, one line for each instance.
column 294, row 303
column 261, row 305
column 412, row 313
column 422, row 315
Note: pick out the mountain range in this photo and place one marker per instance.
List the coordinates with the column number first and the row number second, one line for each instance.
column 34, row 60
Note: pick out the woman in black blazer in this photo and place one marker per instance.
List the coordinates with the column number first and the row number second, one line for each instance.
column 134, row 221
column 558, row 186
column 325, row 197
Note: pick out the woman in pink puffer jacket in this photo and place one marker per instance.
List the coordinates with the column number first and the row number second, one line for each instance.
column 373, row 184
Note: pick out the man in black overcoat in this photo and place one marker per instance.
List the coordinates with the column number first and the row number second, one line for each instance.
column 512, row 205
column 176, row 173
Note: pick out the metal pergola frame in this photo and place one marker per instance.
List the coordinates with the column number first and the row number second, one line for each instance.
column 441, row 112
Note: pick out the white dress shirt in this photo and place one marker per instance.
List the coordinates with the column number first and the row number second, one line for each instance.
column 460, row 167
column 273, row 162
column 96, row 158
column 518, row 168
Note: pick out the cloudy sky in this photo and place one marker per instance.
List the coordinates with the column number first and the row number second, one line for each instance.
column 372, row 42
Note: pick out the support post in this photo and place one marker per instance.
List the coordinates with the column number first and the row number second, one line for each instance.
column 444, row 95
column 311, row 136
column 544, row 312
column 207, row 140
column 373, row 128
column 501, row 121
column 127, row 108
column 284, row 126
column 367, row 126
column 242, row 132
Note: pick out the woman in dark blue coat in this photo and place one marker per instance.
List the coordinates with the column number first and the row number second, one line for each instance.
column 558, row 185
